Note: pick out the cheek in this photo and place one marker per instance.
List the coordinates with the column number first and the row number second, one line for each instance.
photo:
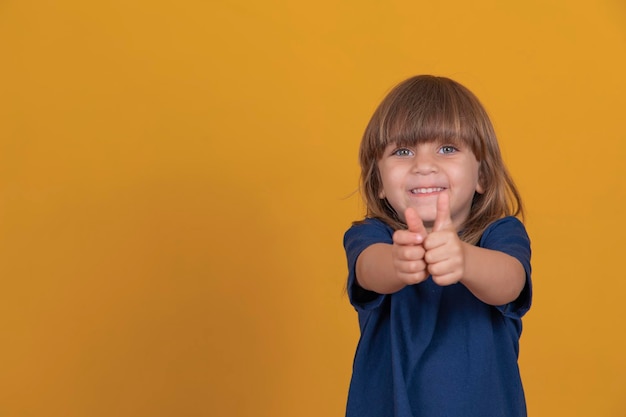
column 388, row 182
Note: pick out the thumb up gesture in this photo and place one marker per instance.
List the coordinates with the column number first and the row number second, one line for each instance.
column 417, row 253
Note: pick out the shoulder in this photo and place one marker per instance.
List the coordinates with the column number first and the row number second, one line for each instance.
column 370, row 222
column 508, row 221
column 368, row 231
column 506, row 229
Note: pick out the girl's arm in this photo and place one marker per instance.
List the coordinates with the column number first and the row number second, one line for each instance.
column 493, row 277
column 375, row 271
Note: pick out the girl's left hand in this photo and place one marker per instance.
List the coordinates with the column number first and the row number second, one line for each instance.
column 445, row 255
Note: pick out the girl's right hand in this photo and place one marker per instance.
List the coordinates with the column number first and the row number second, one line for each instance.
column 408, row 251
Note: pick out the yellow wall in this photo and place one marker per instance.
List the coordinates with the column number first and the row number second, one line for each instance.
column 176, row 178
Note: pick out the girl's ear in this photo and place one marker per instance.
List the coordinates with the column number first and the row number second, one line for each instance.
column 381, row 194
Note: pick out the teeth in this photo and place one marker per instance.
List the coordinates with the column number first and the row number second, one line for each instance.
column 426, row 190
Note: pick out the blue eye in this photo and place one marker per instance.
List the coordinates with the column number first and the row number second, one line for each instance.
column 403, row 152
column 447, row 149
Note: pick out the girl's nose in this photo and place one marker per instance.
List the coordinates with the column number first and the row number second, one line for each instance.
column 424, row 164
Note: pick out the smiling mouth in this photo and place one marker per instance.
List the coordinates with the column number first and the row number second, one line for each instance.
column 428, row 190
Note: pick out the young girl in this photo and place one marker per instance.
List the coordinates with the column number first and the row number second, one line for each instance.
column 439, row 270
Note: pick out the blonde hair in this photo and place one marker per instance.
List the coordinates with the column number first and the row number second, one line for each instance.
column 427, row 108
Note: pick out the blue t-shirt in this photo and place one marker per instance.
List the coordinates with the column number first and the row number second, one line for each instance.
column 430, row 350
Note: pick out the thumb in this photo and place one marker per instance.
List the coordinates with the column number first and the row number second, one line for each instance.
column 443, row 219
column 414, row 222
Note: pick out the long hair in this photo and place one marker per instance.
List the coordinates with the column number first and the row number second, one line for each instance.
column 427, row 108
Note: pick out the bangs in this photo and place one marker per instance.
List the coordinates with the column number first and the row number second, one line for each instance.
column 408, row 128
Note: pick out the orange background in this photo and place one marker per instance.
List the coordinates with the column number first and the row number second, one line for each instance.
column 176, row 178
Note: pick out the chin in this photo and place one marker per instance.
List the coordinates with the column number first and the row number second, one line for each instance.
column 427, row 215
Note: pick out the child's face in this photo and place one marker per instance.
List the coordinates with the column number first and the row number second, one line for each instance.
column 414, row 176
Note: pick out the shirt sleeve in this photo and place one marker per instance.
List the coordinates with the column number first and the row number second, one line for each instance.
column 508, row 235
column 355, row 241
